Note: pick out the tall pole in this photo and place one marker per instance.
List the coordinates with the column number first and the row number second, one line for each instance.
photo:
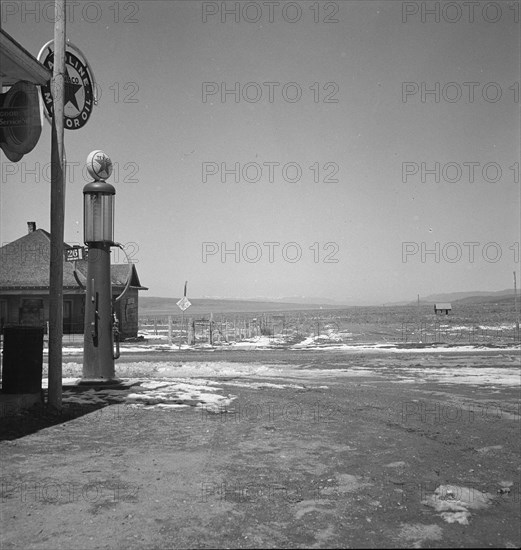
column 516, row 307
column 183, row 320
column 57, row 211
column 419, row 319
column 182, row 327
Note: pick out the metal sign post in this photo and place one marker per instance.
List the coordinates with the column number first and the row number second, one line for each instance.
column 183, row 304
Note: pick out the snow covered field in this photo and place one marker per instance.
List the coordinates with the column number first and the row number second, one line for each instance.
column 265, row 343
column 167, row 383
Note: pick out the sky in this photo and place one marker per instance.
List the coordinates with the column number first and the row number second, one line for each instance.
column 382, row 161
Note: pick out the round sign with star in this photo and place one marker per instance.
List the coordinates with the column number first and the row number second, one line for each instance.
column 78, row 92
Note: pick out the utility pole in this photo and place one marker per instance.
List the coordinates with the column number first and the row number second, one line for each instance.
column 57, row 211
column 419, row 319
column 516, row 306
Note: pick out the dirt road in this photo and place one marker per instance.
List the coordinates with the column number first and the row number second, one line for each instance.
column 294, row 461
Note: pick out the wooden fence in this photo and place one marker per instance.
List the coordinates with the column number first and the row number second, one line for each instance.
column 179, row 329
column 230, row 329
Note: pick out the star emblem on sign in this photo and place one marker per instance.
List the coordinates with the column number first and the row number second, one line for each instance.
column 77, row 88
column 70, row 91
column 103, row 162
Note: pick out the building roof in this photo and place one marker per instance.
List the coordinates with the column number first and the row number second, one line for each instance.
column 24, row 264
column 442, row 305
column 16, row 63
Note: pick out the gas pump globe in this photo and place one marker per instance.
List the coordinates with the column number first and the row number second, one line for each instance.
column 98, row 200
column 98, row 227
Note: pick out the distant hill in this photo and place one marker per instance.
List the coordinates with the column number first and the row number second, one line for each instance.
column 472, row 296
column 302, row 300
column 156, row 305
column 152, row 305
column 494, row 299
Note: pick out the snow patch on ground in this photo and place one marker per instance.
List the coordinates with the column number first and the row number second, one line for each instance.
column 332, row 342
column 174, row 395
column 160, row 392
column 254, row 374
column 454, row 503
column 223, row 369
column 146, row 393
column 466, row 375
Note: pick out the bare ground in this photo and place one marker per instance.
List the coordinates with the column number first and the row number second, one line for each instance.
column 340, row 462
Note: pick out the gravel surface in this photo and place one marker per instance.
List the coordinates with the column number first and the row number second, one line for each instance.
column 272, row 450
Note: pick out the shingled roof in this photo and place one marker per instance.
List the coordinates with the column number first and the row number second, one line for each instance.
column 24, row 264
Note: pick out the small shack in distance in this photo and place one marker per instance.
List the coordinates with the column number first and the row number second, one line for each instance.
column 443, row 307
